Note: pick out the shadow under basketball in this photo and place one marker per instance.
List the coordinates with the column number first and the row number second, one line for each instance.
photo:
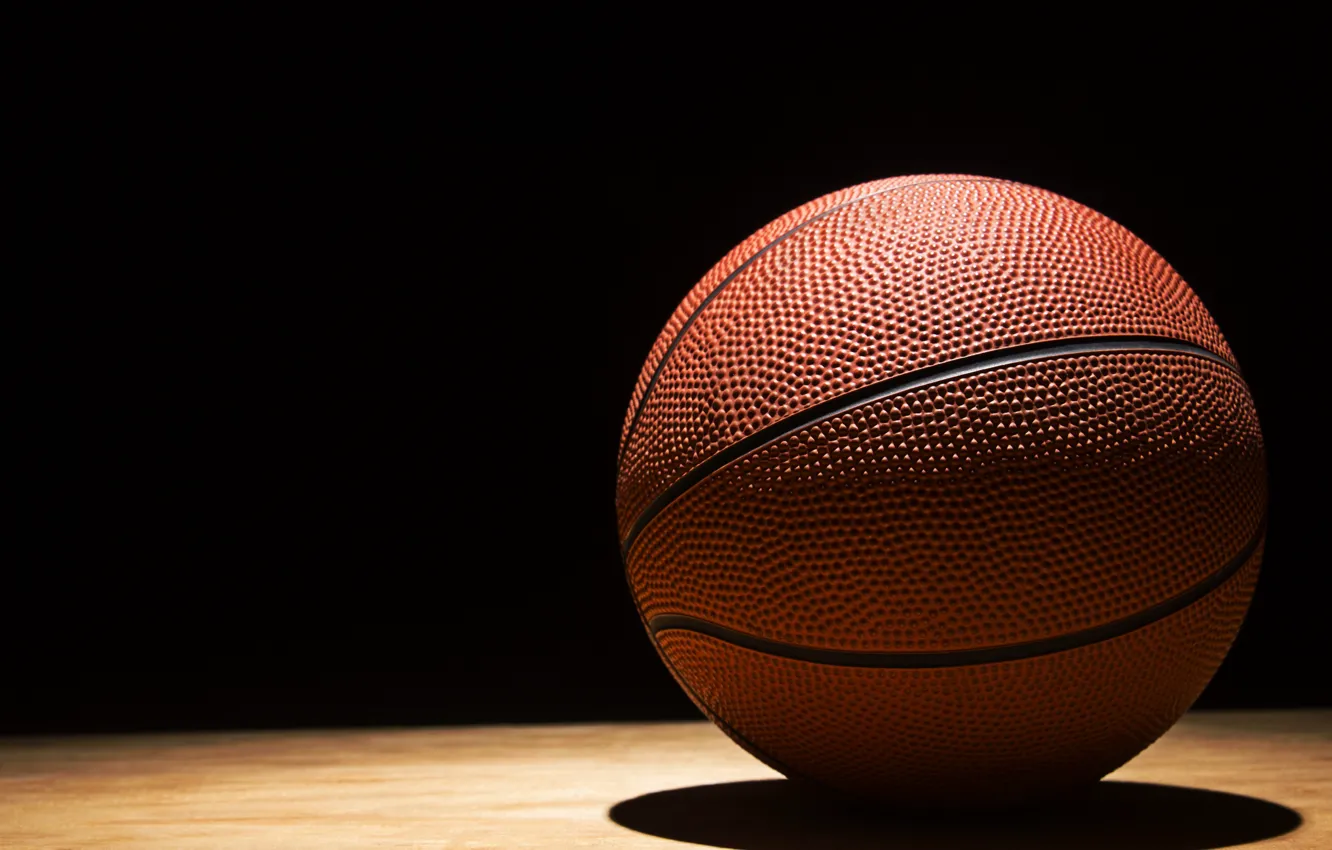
column 777, row 814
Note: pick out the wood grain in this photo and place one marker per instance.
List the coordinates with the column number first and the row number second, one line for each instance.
column 566, row 786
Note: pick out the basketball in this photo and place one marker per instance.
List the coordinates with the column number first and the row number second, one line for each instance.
column 942, row 490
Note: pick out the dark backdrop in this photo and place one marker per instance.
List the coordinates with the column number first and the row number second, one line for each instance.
column 337, row 360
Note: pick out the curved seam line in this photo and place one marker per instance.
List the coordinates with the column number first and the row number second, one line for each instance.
column 710, row 711
column 670, row 349
column 967, row 657
column 918, row 379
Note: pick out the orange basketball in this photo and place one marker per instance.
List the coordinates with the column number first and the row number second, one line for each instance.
column 942, row 489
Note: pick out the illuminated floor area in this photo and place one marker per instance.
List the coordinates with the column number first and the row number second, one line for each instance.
column 1266, row 776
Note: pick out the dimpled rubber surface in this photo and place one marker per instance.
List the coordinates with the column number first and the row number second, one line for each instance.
column 744, row 252
column 934, row 268
column 1013, row 505
column 952, row 736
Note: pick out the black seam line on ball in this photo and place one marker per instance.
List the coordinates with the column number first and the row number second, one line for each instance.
column 939, row 373
column 709, row 710
column 965, row 657
column 706, row 707
column 679, row 335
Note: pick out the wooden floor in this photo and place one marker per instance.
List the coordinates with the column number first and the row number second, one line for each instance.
column 1217, row 780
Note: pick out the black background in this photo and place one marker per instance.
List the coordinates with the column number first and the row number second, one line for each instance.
column 339, row 350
